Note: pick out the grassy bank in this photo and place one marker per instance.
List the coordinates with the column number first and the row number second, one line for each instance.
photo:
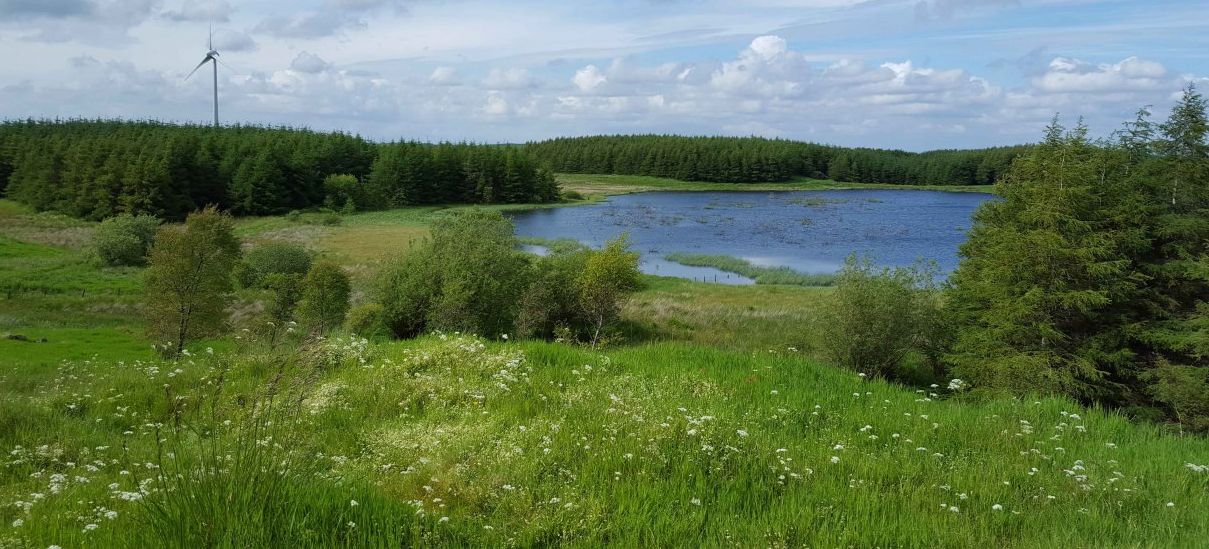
column 593, row 185
column 451, row 441
column 760, row 274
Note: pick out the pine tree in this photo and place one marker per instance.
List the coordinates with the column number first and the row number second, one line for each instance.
column 1041, row 270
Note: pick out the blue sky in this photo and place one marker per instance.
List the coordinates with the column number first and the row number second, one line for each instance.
column 911, row 74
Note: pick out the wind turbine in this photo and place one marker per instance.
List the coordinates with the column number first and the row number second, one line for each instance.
column 212, row 58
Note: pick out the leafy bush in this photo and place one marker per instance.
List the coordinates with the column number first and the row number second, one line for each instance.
column 572, row 195
column 125, row 239
column 367, row 320
column 878, row 316
column 189, row 279
column 551, row 302
column 608, row 276
column 324, row 299
column 272, row 258
column 468, row 278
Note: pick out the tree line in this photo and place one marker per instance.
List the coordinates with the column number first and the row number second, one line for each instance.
column 1089, row 278
column 96, row 169
column 754, row 159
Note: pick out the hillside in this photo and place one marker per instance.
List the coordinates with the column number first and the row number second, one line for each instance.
column 450, row 440
column 454, row 441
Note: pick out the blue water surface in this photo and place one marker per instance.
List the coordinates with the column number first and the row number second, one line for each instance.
column 808, row 231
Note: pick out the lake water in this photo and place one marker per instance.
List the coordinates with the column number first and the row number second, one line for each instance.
column 808, row 231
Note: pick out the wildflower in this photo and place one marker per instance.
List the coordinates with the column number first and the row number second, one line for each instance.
column 996, row 507
column 446, row 519
column 17, row 523
column 90, row 527
column 1171, row 504
column 742, row 433
column 957, row 385
column 353, row 503
column 835, row 459
column 352, row 524
column 954, row 509
column 695, row 501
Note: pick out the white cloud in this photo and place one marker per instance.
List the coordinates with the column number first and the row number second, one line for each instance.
column 1067, row 75
column 444, row 76
column 495, row 105
column 768, row 47
column 588, row 78
column 509, row 79
column 308, row 62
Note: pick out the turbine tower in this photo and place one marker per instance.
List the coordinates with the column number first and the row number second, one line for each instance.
column 211, row 58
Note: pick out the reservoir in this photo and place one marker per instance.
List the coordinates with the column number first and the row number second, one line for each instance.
column 808, row 231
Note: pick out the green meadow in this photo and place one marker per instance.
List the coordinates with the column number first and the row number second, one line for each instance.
column 714, row 422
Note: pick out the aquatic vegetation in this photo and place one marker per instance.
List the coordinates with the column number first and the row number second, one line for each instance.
column 761, row 274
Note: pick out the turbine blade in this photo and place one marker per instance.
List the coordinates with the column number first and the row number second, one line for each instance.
column 210, row 41
column 199, row 65
column 228, row 67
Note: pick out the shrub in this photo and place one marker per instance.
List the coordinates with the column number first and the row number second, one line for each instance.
column 272, row 258
column 469, row 277
column 573, row 195
column 331, row 219
column 343, row 189
column 324, row 300
column 367, row 320
column 607, row 277
column 551, row 302
column 189, row 278
column 877, row 316
column 125, row 239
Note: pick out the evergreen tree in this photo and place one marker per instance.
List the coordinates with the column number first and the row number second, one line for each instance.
column 1040, row 272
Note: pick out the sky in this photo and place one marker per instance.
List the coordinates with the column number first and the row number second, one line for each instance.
column 907, row 74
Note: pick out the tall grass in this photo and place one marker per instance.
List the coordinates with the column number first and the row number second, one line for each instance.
column 453, row 441
column 760, row 274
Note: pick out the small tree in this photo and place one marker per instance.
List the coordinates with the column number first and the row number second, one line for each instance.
column 468, row 278
column 877, row 316
column 273, row 258
column 325, row 292
column 285, row 291
column 189, row 278
column 125, row 239
column 609, row 275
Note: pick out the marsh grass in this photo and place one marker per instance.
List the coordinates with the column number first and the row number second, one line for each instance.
column 762, row 275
